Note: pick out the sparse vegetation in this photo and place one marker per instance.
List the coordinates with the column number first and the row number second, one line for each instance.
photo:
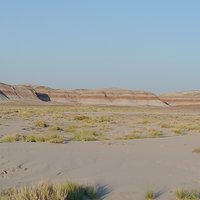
column 87, row 135
column 144, row 121
column 183, row 194
column 164, row 125
column 50, row 191
column 52, row 137
column 155, row 133
column 178, row 131
column 8, row 138
column 70, row 129
column 56, row 128
column 196, row 150
column 40, row 124
column 130, row 136
column 150, row 195
column 111, row 121
column 81, row 117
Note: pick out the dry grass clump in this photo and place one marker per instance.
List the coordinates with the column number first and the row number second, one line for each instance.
column 155, row 133
column 52, row 138
column 183, row 194
column 56, row 128
column 81, row 118
column 71, row 129
column 87, row 135
column 196, row 150
column 93, row 120
column 164, row 125
column 130, row 136
column 8, row 138
column 178, row 131
column 145, row 121
column 193, row 127
column 102, row 119
column 150, row 195
column 40, row 124
column 50, row 191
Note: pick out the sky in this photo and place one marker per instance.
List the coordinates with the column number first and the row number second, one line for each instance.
column 151, row 45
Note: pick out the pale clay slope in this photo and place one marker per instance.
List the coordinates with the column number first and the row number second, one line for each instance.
column 124, row 169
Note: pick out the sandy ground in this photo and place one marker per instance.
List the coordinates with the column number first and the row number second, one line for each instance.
column 124, row 169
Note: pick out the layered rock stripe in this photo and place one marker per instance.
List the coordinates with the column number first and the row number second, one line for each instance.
column 116, row 97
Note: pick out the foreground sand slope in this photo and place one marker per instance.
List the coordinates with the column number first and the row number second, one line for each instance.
column 126, row 170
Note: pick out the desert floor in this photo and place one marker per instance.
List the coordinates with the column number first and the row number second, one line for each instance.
column 125, row 151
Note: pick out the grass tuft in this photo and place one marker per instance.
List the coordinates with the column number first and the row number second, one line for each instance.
column 87, row 135
column 56, row 128
column 178, row 131
column 8, row 138
column 150, row 195
column 52, row 137
column 40, row 124
column 81, row 117
column 155, row 133
column 130, row 136
column 183, row 194
column 49, row 191
column 70, row 129
column 196, row 150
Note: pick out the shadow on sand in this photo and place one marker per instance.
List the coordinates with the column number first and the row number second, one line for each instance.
column 103, row 191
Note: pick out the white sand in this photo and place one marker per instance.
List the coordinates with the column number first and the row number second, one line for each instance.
column 124, row 169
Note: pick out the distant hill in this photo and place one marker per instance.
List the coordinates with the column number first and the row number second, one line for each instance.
column 110, row 96
column 182, row 98
column 40, row 94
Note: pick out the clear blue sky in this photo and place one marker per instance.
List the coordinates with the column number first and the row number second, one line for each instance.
column 152, row 45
